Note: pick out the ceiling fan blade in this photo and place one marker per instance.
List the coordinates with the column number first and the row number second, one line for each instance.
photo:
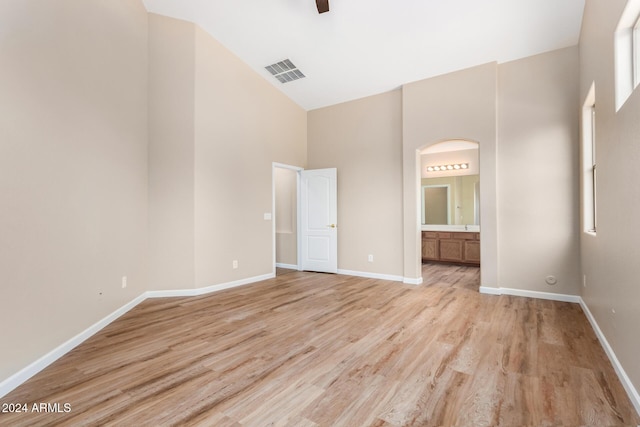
column 323, row 6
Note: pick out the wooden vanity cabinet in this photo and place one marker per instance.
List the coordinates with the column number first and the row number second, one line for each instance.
column 458, row 247
column 430, row 250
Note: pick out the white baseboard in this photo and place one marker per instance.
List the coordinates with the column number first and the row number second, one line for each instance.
column 489, row 290
column 15, row 380
column 412, row 281
column 529, row 294
column 622, row 375
column 289, row 266
column 201, row 291
column 30, row 370
column 370, row 275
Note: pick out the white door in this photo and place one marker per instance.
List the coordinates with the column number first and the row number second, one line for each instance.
column 318, row 220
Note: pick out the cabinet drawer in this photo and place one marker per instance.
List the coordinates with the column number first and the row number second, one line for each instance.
column 429, row 235
column 463, row 236
column 444, row 235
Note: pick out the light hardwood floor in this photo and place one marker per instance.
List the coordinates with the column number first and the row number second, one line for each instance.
column 308, row 349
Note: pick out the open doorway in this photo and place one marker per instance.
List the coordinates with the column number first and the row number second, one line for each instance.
column 285, row 179
column 449, row 201
column 304, row 209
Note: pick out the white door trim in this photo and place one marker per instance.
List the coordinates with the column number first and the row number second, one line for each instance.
column 275, row 165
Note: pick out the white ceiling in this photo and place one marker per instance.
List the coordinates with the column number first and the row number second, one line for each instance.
column 364, row 47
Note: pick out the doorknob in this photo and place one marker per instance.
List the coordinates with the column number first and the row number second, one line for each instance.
column 332, row 225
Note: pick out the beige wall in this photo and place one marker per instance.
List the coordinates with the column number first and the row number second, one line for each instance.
column 538, row 172
column 363, row 140
column 536, row 121
column 243, row 125
column 460, row 105
column 132, row 145
column 73, row 169
column 522, row 113
column 216, row 127
column 610, row 259
column 171, row 153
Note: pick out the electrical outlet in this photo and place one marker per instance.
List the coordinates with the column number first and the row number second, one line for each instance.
column 124, row 282
column 584, row 280
column 235, row 264
column 370, row 258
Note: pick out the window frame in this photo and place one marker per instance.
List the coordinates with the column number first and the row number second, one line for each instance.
column 635, row 47
column 627, row 53
column 594, row 173
column 589, row 165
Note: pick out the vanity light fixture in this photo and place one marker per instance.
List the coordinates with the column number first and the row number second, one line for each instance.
column 456, row 166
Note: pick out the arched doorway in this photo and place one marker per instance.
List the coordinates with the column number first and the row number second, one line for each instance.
column 449, row 205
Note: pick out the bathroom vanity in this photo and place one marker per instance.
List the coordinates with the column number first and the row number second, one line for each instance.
column 451, row 246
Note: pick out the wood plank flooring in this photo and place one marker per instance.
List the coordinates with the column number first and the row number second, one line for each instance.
column 307, row 349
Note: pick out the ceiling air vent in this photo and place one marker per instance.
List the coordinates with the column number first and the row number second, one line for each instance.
column 285, row 71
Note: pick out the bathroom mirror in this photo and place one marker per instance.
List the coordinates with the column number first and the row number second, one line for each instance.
column 451, row 200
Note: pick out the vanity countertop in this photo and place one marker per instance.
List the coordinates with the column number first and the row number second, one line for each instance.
column 456, row 228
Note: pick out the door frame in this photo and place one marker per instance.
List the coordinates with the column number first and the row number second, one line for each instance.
column 422, row 201
column 297, row 169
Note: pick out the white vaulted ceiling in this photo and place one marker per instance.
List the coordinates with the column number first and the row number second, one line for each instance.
column 364, row 47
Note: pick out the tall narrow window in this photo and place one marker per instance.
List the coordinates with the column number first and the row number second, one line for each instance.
column 627, row 52
column 589, row 176
column 594, row 173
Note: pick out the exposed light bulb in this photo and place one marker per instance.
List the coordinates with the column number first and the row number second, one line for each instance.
column 455, row 166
